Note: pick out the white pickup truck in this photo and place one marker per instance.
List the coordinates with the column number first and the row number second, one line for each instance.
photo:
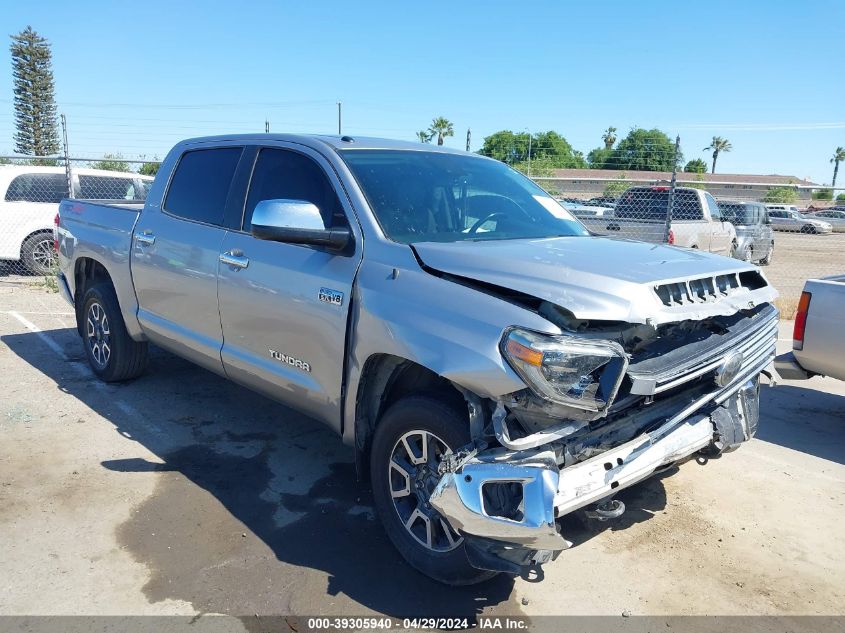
column 697, row 221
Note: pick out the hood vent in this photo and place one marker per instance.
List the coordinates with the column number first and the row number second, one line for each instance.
column 708, row 289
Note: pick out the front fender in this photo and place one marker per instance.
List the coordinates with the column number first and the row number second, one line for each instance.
column 450, row 329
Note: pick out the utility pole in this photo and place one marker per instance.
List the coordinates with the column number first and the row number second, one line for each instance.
column 68, row 175
column 529, row 154
column 339, row 127
column 670, row 207
column 266, row 126
column 469, row 136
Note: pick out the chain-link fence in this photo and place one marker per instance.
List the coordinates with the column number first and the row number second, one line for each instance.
column 795, row 231
column 30, row 192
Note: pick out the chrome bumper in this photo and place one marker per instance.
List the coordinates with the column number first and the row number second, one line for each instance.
column 549, row 492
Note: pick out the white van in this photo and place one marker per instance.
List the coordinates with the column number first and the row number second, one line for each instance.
column 29, row 201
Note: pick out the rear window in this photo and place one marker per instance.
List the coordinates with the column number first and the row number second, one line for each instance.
column 109, row 188
column 46, row 188
column 200, row 184
column 739, row 213
column 652, row 204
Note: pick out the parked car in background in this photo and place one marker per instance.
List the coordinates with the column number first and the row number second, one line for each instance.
column 697, row 221
column 754, row 236
column 29, row 200
column 603, row 201
column 788, row 218
column 818, row 338
column 582, row 210
column 834, row 217
column 493, row 366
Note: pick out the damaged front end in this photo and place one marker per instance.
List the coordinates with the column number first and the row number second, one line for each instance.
column 618, row 404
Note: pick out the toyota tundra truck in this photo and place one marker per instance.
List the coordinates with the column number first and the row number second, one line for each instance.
column 493, row 366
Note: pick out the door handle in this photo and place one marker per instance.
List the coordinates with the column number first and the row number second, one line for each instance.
column 235, row 259
column 145, row 237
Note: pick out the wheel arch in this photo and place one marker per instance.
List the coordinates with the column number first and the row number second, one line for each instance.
column 385, row 379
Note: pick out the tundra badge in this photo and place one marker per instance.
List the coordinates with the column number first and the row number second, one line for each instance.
column 290, row 360
column 328, row 295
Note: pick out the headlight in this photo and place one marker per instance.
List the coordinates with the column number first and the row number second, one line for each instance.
column 574, row 372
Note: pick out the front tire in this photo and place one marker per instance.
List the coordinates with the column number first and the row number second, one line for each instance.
column 768, row 258
column 38, row 254
column 409, row 441
column 809, row 229
column 112, row 354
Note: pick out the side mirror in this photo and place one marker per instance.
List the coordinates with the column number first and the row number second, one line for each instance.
column 296, row 222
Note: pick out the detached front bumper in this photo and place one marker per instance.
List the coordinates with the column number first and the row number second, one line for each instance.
column 516, row 497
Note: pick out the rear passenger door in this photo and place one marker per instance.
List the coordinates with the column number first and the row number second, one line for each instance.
column 284, row 307
column 175, row 255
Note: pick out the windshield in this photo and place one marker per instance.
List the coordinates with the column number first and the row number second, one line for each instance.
column 421, row 196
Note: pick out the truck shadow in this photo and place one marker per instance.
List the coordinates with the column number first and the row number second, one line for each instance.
column 804, row 419
column 256, row 509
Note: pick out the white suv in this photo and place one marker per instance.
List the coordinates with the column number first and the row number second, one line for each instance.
column 29, row 201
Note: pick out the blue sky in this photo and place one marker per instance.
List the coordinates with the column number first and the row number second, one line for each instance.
column 135, row 77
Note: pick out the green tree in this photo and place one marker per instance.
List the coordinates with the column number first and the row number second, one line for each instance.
column 696, row 166
column 598, row 158
column 556, row 149
column 111, row 162
column 615, row 188
column 441, row 127
column 718, row 145
column 822, row 194
column 781, row 195
column 838, row 157
column 549, row 150
column 424, row 136
column 34, row 95
column 609, row 137
column 644, row 150
column 149, row 169
column 840, row 197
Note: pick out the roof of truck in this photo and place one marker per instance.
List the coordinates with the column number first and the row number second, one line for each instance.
column 346, row 141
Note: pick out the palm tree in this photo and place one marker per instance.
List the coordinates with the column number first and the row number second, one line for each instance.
column 609, row 137
column 441, row 127
column 424, row 136
column 838, row 157
column 718, row 144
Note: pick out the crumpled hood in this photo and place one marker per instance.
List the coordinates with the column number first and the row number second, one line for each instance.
column 599, row 278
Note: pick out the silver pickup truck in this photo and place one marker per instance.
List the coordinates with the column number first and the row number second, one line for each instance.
column 697, row 220
column 492, row 365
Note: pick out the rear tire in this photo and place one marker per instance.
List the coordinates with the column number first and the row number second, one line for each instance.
column 412, row 419
column 768, row 258
column 38, row 254
column 112, row 354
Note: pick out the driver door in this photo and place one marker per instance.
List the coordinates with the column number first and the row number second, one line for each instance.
column 284, row 307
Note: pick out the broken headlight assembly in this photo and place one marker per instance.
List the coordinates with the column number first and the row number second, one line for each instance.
column 573, row 372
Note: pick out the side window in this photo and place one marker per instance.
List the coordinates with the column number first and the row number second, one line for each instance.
column 107, row 188
column 47, row 188
column 200, row 184
column 713, row 207
column 286, row 175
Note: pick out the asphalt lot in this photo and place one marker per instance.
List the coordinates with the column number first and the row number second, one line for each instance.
column 180, row 493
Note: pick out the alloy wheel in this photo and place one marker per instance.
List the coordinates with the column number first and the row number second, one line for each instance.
column 413, row 475
column 98, row 334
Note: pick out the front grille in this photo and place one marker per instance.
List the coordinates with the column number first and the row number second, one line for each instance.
column 708, row 289
column 754, row 337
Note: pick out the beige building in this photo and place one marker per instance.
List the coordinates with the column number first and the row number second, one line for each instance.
column 589, row 183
